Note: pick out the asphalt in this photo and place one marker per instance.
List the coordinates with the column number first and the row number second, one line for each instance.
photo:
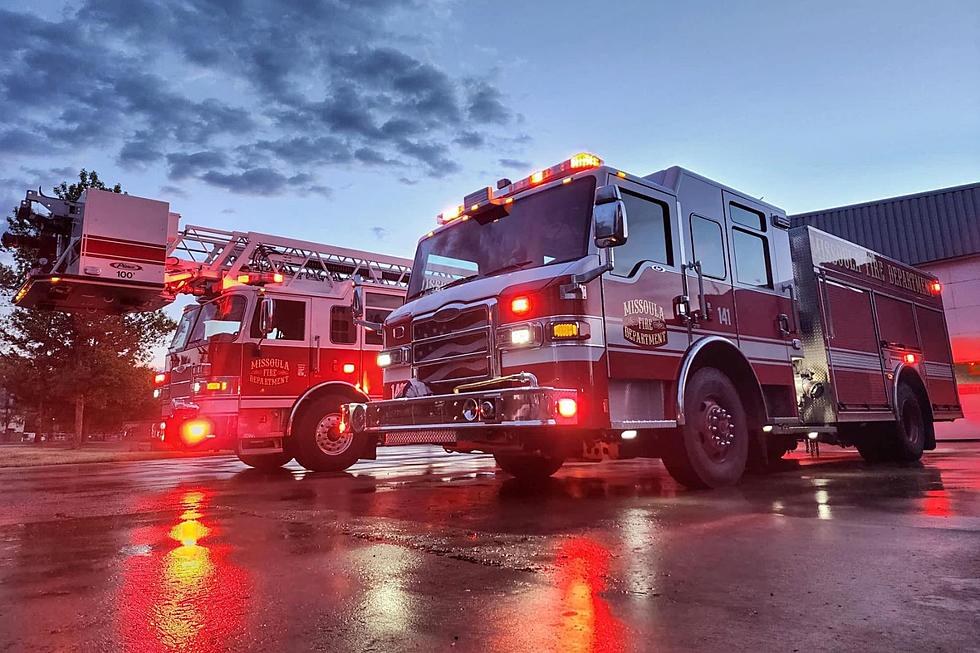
column 424, row 551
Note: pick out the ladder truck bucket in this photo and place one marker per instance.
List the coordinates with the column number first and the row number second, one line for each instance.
column 105, row 253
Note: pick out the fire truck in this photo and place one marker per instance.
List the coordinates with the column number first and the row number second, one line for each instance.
column 585, row 313
column 269, row 350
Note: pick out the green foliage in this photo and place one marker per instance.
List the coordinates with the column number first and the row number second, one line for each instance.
column 52, row 359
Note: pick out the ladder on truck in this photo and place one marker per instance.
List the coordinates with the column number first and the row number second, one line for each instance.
column 201, row 257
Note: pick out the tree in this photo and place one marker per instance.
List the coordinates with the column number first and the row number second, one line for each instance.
column 86, row 369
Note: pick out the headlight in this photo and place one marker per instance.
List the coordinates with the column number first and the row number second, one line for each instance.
column 398, row 356
column 519, row 335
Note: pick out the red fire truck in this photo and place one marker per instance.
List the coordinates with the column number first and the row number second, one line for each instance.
column 270, row 349
column 708, row 333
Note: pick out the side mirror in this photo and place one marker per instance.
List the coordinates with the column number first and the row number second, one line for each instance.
column 357, row 303
column 267, row 316
column 609, row 217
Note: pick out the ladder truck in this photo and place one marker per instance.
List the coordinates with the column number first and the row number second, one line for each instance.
column 708, row 333
column 263, row 358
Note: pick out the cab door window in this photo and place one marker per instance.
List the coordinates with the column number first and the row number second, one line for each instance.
column 378, row 307
column 290, row 321
column 708, row 241
column 342, row 328
column 753, row 266
column 649, row 234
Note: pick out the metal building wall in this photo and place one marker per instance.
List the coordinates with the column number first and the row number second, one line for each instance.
column 916, row 229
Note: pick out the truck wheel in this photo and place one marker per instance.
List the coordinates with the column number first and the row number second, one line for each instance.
column 528, row 467
column 265, row 462
column 712, row 447
column 874, row 443
column 908, row 434
column 317, row 441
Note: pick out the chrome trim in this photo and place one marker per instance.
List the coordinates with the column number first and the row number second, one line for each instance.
column 685, row 372
column 341, row 384
column 451, row 334
column 644, row 424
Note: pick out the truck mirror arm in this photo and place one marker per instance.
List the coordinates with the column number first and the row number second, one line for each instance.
column 367, row 324
column 575, row 289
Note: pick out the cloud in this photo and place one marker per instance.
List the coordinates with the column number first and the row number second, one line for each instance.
column 516, row 164
column 173, row 191
column 243, row 95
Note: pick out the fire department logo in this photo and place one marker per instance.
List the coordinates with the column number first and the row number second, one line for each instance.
column 643, row 323
column 268, row 372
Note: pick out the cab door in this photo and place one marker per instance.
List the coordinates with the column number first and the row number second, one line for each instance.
column 763, row 283
column 707, row 281
column 644, row 339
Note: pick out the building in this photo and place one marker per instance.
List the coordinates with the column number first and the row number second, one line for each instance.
column 937, row 231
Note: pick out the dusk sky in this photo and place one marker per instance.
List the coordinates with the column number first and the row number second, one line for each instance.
column 355, row 123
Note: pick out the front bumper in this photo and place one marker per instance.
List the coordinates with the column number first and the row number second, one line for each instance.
column 448, row 418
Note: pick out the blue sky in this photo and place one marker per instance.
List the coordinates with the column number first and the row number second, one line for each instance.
column 357, row 123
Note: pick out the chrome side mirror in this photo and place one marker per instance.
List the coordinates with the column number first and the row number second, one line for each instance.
column 267, row 316
column 609, row 217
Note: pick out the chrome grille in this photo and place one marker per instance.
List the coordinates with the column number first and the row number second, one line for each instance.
column 453, row 346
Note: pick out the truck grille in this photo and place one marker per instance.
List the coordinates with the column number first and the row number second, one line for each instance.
column 449, row 349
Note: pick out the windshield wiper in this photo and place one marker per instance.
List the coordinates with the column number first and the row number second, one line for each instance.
column 508, row 268
column 454, row 282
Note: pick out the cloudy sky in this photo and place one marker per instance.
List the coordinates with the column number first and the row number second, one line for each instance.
column 356, row 121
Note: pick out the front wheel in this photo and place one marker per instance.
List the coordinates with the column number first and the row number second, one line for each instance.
column 712, row 447
column 319, row 444
column 265, row 462
column 528, row 467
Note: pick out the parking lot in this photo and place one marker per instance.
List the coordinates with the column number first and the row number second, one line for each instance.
column 425, row 551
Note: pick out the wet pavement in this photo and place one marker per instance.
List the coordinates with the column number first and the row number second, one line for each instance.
column 430, row 552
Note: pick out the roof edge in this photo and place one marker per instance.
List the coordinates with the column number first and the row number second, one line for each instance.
column 888, row 200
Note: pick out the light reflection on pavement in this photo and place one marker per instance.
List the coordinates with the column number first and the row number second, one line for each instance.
column 424, row 551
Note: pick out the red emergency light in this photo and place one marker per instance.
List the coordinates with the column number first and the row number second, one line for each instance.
column 910, row 359
column 936, row 288
column 159, row 378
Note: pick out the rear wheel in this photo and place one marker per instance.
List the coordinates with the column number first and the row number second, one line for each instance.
column 908, row 434
column 528, row 467
column 317, row 440
column 265, row 462
column 712, row 447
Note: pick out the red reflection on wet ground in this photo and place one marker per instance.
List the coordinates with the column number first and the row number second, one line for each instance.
column 179, row 592
column 587, row 623
column 936, row 504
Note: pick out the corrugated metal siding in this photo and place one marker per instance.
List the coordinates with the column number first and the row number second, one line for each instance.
column 916, row 229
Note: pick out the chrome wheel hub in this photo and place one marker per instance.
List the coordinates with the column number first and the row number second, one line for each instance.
column 717, row 428
column 329, row 438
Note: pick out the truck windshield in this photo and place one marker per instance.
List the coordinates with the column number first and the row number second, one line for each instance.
column 184, row 328
column 223, row 315
column 548, row 227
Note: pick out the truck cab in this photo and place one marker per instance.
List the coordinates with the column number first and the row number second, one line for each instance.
column 586, row 313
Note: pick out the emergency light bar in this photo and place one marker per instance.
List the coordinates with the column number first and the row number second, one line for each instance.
column 476, row 201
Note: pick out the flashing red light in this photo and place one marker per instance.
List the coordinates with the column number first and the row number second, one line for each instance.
column 159, row 378
column 196, row 431
column 520, row 305
column 567, row 407
column 936, row 288
column 910, row 359
column 349, row 368
column 277, row 277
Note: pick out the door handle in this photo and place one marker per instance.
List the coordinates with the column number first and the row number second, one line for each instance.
column 783, row 322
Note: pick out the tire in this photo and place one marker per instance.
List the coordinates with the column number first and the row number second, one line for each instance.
column 908, row 434
column 874, row 443
column 696, row 455
column 265, row 462
column 528, row 467
column 318, row 444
